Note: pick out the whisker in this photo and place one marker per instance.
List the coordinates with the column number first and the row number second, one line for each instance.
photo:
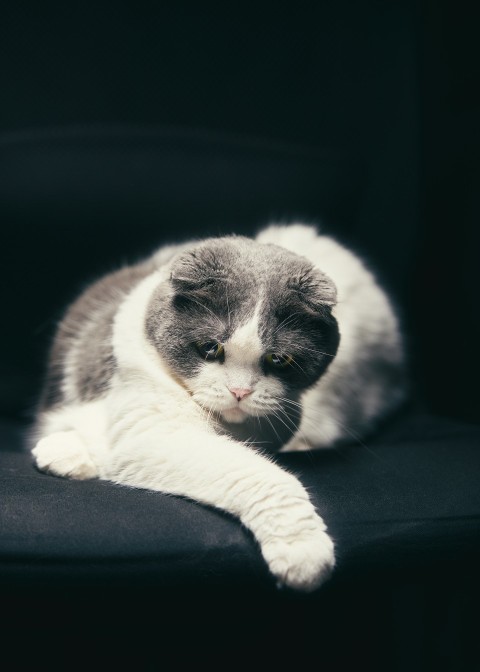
column 228, row 306
column 300, row 432
column 275, row 413
column 190, row 298
column 295, row 363
column 304, row 348
column 317, row 427
column 257, row 418
column 290, row 401
column 359, row 440
column 272, row 426
column 286, row 321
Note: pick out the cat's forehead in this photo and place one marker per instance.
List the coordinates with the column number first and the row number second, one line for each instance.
column 242, row 261
column 244, row 343
column 248, row 279
column 220, row 284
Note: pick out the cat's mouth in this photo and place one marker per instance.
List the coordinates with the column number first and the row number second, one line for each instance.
column 234, row 415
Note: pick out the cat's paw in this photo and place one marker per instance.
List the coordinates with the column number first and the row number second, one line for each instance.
column 303, row 563
column 64, row 454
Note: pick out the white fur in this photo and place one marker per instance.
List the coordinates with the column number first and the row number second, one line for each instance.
column 150, row 431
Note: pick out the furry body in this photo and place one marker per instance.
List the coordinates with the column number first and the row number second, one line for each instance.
column 184, row 374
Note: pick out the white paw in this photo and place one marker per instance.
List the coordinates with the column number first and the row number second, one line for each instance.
column 64, row 454
column 303, row 563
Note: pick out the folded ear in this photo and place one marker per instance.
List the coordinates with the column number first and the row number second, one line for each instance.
column 195, row 271
column 315, row 290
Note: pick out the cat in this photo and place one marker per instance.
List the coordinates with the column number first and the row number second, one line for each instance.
column 186, row 372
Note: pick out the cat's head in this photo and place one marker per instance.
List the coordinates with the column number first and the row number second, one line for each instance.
column 245, row 326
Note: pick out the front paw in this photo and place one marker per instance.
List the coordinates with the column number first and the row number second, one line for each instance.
column 64, row 454
column 302, row 563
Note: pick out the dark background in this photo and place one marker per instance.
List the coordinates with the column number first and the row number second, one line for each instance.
column 391, row 86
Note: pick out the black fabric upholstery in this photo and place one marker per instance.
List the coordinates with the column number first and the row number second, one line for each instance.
column 397, row 501
column 139, row 573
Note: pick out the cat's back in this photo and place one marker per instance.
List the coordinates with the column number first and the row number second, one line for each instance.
column 356, row 284
column 344, row 267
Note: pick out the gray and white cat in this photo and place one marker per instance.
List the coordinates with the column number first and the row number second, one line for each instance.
column 184, row 373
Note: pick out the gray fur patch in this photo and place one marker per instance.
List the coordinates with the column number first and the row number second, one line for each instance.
column 82, row 353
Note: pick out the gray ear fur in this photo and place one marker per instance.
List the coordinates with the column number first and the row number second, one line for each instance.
column 314, row 289
column 196, row 270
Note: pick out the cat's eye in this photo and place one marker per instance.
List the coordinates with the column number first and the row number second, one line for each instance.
column 278, row 361
column 210, row 350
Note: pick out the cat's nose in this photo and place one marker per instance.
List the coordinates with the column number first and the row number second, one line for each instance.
column 240, row 392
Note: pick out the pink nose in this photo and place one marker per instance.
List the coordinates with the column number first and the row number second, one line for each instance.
column 240, row 392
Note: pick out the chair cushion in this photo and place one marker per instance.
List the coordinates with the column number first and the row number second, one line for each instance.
column 405, row 499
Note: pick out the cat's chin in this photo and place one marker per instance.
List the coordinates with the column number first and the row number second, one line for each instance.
column 234, row 415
